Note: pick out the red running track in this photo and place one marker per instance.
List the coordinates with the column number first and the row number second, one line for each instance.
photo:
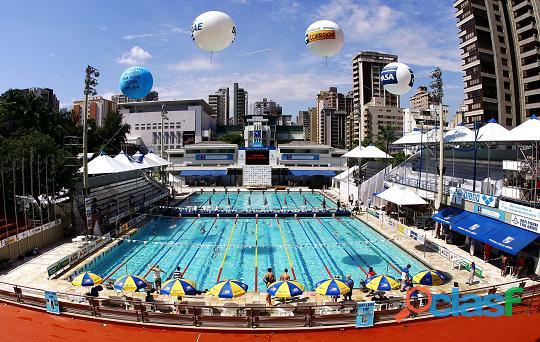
column 22, row 324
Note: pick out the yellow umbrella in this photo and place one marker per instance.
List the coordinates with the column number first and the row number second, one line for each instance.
column 229, row 289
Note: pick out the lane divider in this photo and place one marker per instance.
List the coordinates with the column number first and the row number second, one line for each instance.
column 315, row 249
column 199, row 248
column 286, row 249
column 256, row 252
column 227, row 249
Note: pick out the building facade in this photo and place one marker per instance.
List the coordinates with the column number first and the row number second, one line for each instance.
column 121, row 98
column 501, row 59
column 377, row 116
column 240, row 105
column 188, row 122
column 423, row 118
column 422, row 99
column 98, row 108
column 367, row 68
column 220, row 104
column 332, row 113
column 47, row 94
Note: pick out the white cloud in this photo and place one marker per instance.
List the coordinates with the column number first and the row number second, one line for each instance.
column 104, row 28
column 136, row 36
column 194, row 64
column 135, row 56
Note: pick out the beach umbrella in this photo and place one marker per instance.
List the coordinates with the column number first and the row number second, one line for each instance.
column 332, row 287
column 129, row 283
column 179, row 287
column 229, row 289
column 285, row 289
column 381, row 283
column 87, row 279
column 429, row 278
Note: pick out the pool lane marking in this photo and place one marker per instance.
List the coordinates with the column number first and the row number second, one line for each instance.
column 286, row 249
column 391, row 261
column 227, row 249
column 350, row 255
column 199, row 247
column 170, row 247
column 256, row 251
column 315, row 249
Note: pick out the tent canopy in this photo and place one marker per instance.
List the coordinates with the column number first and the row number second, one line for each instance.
column 459, row 134
column 154, row 157
column 370, row 152
column 401, row 195
column 492, row 131
column 123, row 159
column 104, row 164
column 412, row 138
column 354, row 152
column 527, row 131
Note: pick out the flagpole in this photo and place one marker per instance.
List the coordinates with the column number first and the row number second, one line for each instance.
column 15, row 206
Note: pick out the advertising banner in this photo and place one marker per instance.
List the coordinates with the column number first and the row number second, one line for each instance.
column 188, row 137
column 51, row 298
column 521, row 210
column 525, row 223
column 489, row 212
column 365, row 314
column 214, row 156
column 297, row 156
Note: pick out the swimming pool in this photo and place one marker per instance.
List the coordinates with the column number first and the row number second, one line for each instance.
column 210, row 249
column 257, row 200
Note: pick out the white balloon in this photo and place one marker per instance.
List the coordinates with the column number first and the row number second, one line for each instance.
column 397, row 78
column 324, row 38
column 213, row 31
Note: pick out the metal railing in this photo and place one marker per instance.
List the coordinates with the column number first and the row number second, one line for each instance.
column 248, row 316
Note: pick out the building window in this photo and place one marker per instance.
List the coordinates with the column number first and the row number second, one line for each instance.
column 508, row 122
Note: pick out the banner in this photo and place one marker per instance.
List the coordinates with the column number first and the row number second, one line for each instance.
column 298, row 156
column 365, row 314
column 214, row 156
column 521, row 210
column 489, row 212
column 323, row 34
column 53, row 306
column 525, row 223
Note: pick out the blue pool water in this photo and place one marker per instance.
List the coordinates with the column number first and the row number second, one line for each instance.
column 274, row 200
column 317, row 248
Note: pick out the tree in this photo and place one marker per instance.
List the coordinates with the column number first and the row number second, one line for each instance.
column 399, row 158
column 111, row 136
column 385, row 137
column 232, row 139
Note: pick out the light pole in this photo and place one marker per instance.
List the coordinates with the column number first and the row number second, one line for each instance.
column 437, row 94
column 90, row 81
column 164, row 113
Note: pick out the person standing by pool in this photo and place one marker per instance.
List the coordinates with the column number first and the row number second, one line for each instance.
column 404, row 276
column 285, row 275
column 471, row 275
column 269, row 277
column 177, row 274
column 157, row 276
column 350, row 284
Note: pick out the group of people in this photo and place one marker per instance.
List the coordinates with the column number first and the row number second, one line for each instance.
column 512, row 265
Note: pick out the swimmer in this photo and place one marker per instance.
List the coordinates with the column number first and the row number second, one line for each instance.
column 203, row 230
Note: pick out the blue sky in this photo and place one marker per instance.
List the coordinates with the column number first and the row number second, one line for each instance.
column 49, row 43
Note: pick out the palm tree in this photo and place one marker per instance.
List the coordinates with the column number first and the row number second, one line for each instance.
column 386, row 135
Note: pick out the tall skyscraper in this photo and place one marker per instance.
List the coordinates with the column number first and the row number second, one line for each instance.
column 303, row 119
column 220, row 104
column 47, row 94
column 331, row 118
column 240, row 105
column 501, row 56
column 367, row 68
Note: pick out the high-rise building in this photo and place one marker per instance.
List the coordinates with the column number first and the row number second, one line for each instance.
column 121, row 98
column 220, row 104
column 377, row 116
column 267, row 108
column 367, row 68
column 303, row 119
column 47, row 94
column 331, row 117
column 313, row 124
column 423, row 118
column 501, row 56
column 98, row 108
column 240, row 105
column 422, row 99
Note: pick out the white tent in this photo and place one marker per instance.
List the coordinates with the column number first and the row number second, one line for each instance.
column 401, row 195
column 412, row 138
column 145, row 162
column 354, row 152
column 126, row 161
column 103, row 164
column 527, row 131
column 372, row 152
column 492, row 131
column 155, row 158
column 459, row 134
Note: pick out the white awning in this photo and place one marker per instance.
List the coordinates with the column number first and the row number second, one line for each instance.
column 155, row 158
column 401, row 195
column 354, row 152
column 527, row 131
column 146, row 162
column 492, row 131
column 104, row 164
column 370, row 152
column 123, row 159
column 459, row 134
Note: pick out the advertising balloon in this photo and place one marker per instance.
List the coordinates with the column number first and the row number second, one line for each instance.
column 324, row 38
column 213, row 31
column 397, row 78
column 136, row 82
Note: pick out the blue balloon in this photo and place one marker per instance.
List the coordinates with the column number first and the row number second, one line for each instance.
column 136, row 82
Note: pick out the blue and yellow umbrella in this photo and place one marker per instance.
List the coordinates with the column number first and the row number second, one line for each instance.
column 179, row 287
column 229, row 289
column 381, row 283
column 285, row 289
column 129, row 283
column 429, row 278
column 332, row 287
column 87, row 279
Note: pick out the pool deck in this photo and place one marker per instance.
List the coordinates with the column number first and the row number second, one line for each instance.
column 32, row 272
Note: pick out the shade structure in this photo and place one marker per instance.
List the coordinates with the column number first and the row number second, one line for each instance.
column 123, row 159
column 527, row 131
column 87, row 279
column 104, row 164
column 229, row 289
column 381, row 283
column 412, row 138
column 492, row 131
column 450, row 215
column 179, row 287
column 401, row 195
column 459, row 134
column 285, row 289
column 354, row 152
column 429, row 278
column 146, row 162
column 155, row 158
column 332, row 287
column 370, row 152
column 129, row 283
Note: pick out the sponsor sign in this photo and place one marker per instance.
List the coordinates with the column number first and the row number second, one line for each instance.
column 53, row 306
column 323, row 34
column 521, row 210
column 525, row 223
column 489, row 212
column 456, row 195
column 365, row 314
column 298, row 156
column 57, row 266
column 209, row 156
column 479, row 198
column 188, row 137
column 389, row 76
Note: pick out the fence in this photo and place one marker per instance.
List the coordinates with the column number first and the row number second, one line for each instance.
column 254, row 316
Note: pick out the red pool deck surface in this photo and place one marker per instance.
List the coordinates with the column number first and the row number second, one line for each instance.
column 22, row 324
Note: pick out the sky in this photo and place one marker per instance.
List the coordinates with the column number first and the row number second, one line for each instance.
column 49, row 44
